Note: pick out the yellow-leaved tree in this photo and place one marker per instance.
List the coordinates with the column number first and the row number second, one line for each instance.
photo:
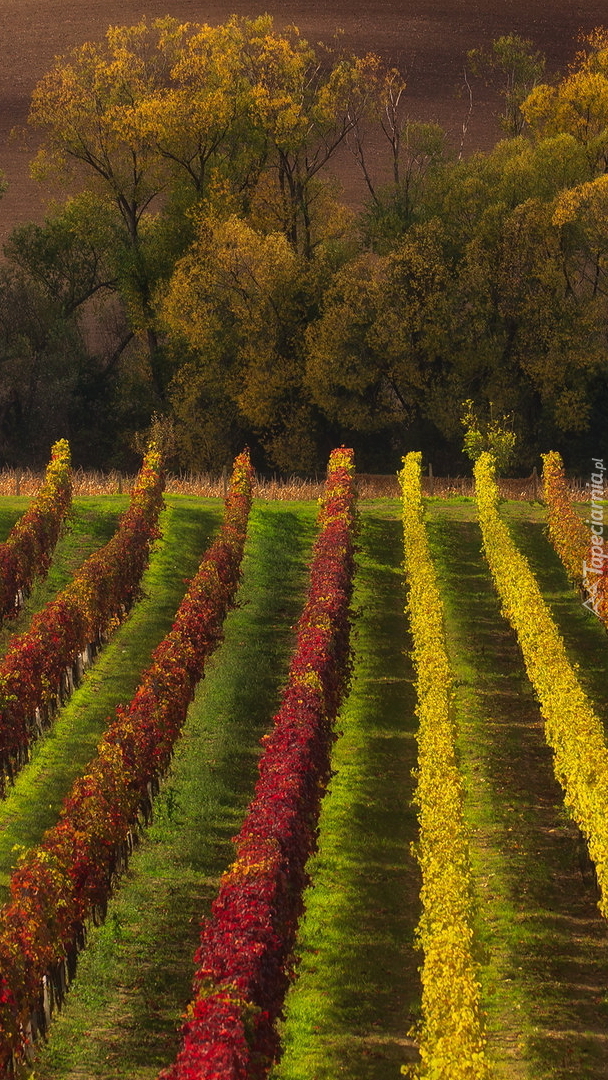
column 578, row 104
column 236, row 302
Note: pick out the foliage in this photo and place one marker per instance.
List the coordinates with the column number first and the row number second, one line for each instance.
column 566, row 530
column 452, row 1041
column 578, row 105
column 573, row 730
column 27, row 552
column 39, row 664
column 492, row 436
column 573, row 539
column 419, row 152
column 521, row 69
column 375, row 350
column 63, row 882
column 167, row 125
column 201, row 158
column 240, row 300
column 244, row 960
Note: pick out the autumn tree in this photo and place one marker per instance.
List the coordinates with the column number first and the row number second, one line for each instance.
column 89, row 105
column 578, row 104
column 306, row 101
column 517, row 68
column 376, row 352
column 397, row 180
column 240, row 118
column 239, row 302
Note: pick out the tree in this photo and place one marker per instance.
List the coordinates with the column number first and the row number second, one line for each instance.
column 305, row 105
column 89, row 105
column 375, row 351
column 493, row 435
column 67, row 255
column 415, row 151
column 155, row 119
column 239, row 303
column 520, row 70
column 41, row 356
column 578, row 105
column 199, row 117
column 396, row 206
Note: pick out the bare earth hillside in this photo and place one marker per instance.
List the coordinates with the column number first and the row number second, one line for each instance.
column 428, row 39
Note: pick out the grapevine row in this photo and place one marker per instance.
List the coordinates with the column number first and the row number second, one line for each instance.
column 26, row 553
column 243, row 963
column 65, row 881
column 452, row 1041
column 572, row 729
column 571, row 538
column 42, row 664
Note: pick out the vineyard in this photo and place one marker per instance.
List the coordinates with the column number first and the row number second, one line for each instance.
column 300, row 787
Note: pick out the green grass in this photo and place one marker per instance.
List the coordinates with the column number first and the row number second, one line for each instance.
column 91, row 523
column 32, row 804
column 585, row 636
column 543, row 944
column 357, row 989
column 11, row 509
column 134, row 979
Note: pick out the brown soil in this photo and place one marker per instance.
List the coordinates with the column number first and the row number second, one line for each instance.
column 427, row 39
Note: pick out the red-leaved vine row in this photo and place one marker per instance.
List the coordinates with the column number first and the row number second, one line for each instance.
column 245, row 955
column 65, row 881
column 41, row 665
column 26, row 553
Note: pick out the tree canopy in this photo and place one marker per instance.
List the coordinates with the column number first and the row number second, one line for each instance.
column 204, row 265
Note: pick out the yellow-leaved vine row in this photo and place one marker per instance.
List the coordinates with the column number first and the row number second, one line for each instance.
column 572, row 729
column 452, row 1041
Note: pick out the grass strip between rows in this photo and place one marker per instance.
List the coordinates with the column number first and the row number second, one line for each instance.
column 33, row 802
column 90, row 524
column 120, row 1020
column 358, row 990
column 452, row 1040
column 59, row 885
column 572, row 728
column 244, row 959
column 41, row 666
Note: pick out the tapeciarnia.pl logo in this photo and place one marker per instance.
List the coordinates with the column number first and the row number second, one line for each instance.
column 598, row 565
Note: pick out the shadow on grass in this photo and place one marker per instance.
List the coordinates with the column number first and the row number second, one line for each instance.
column 585, row 636
column 87, row 528
column 33, row 802
column 357, row 989
column 134, row 981
column 543, row 931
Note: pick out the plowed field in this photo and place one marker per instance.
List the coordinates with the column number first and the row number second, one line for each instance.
column 425, row 38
